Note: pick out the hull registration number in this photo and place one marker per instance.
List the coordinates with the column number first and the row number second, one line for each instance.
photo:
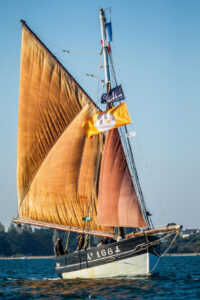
column 103, row 253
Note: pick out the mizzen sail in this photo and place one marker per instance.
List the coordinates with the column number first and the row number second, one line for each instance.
column 57, row 166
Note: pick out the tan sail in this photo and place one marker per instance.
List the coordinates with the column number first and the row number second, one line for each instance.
column 117, row 200
column 57, row 165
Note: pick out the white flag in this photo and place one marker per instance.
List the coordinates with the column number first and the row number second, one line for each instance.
column 131, row 134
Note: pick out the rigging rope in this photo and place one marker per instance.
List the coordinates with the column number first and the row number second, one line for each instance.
column 79, row 57
column 140, row 147
column 72, row 53
column 165, row 252
column 68, row 235
column 151, row 178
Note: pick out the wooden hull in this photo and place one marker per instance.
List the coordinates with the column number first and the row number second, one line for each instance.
column 124, row 258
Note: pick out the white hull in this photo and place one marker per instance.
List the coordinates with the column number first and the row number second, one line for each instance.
column 144, row 264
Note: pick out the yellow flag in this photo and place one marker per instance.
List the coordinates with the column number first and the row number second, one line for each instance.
column 106, row 120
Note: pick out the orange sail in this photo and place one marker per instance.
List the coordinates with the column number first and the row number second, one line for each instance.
column 57, row 166
column 118, row 203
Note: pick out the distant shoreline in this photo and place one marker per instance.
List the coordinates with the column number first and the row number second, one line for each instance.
column 50, row 257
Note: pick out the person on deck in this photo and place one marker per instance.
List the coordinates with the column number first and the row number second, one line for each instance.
column 81, row 241
column 100, row 243
column 58, row 249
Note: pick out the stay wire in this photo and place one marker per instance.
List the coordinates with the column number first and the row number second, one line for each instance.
column 151, row 178
column 139, row 144
column 61, row 48
column 79, row 57
column 71, row 52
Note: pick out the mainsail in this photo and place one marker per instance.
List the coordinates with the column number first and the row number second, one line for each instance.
column 57, row 165
column 60, row 173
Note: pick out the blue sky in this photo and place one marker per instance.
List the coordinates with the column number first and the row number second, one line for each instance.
column 156, row 52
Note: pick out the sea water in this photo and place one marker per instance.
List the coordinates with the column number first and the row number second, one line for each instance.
column 178, row 278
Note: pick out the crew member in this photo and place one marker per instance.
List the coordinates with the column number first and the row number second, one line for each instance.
column 100, row 243
column 81, row 241
column 58, row 249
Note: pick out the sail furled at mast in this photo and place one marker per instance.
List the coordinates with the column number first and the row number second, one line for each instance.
column 57, row 165
column 118, row 203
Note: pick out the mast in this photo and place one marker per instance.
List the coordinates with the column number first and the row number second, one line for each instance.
column 125, row 142
column 105, row 49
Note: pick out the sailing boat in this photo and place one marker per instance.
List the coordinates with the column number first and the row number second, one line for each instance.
column 68, row 182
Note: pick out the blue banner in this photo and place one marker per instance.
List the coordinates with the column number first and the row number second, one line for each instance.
column 114, row 95
column 108, row 32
